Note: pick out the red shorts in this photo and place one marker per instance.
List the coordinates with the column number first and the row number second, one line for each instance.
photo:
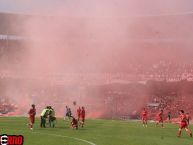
column 82, row 119
column 144, row 118
column 183, row 125
column 32, row 120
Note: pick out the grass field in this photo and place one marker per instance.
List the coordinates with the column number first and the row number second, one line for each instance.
column 96, row 132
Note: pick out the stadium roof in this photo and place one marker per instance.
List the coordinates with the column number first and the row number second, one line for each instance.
column 11, row 24
column 98, row 8
column 143, row 29
column 11, row 37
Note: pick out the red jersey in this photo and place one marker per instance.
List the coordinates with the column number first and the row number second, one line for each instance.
column 160, row 117
column 32, row 112
column 82, row 113
column 183, row 118
column 74, row 121
column 78, row 111
column 160, row 114
column 144, row 113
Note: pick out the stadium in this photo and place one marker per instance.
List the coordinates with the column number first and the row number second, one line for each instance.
column 111, row 66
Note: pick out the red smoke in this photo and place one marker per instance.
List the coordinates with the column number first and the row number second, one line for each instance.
column 73, row 50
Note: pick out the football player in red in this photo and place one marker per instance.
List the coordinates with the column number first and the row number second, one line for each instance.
column 183, row 124
column 32, row 113
column 82, row 117
column 78, row 113
column 144, row 117
column 160, row 119
column 74, row 123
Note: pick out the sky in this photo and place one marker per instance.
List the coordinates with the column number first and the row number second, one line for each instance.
column 98, row 7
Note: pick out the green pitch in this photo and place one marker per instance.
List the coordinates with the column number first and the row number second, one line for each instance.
column 96, row 132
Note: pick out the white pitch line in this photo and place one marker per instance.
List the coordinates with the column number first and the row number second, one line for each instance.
column 57, row 135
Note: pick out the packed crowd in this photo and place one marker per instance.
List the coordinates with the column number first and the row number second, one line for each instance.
column 158, row 71
column 171, row 104
column 5, row 106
